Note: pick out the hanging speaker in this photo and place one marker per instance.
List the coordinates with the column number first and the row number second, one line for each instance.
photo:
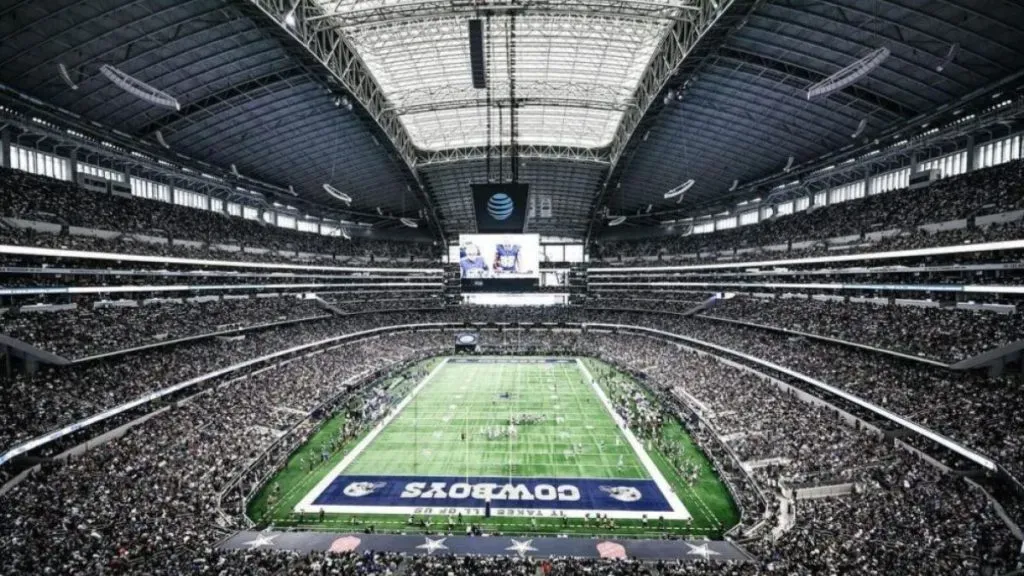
column 476, row 53
column 860, row 128
column 950, row 55
column 66, row 76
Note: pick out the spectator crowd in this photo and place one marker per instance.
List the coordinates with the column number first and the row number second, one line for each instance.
column 150, row 502
column 172, row 230
column 994, row 190
column 945, row 334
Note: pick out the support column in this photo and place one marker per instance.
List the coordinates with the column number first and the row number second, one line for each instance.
column 73, row 164
column 970, row 153
column 5, row 156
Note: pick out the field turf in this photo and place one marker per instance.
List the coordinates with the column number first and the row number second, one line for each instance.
column 472, row 399
column 575, row 437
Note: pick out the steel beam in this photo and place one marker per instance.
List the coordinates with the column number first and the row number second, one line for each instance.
column 676, row 44
column 345, row 13
column 329, row 47
column 525, row 151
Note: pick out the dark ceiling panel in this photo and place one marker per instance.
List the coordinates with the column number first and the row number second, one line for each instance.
column 744, row 109
column 246, row 100
column 250, row 98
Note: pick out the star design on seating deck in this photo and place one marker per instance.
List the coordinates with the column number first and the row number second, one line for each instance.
column 431, row 545
column 701, row 550
column 261, row 541
column 521, row 548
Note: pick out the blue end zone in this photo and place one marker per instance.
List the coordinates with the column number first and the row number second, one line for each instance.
column 528, row 493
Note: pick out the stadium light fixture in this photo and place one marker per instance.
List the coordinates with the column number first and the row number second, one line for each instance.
column 409, row 222
column 848, row 75
column 138, row 88
column 160, row 139
column 617, row 221
column 338, row 194
column 66, row 77
column 289, row 18
column 789, row 164
column 735, row 183
column 679, row 190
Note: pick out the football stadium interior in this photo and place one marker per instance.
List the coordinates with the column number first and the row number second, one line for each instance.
column 512, row 287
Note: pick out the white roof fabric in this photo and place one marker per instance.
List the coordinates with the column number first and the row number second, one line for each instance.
column 575, row 71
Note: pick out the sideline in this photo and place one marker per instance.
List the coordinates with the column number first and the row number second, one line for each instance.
column 680, row 511
column 306, row 504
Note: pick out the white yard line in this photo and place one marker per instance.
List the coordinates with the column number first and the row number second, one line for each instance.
column 306, row 503
column 652, row 469
column 679, row 512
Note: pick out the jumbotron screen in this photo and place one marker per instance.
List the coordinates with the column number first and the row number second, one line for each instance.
column 499, row 262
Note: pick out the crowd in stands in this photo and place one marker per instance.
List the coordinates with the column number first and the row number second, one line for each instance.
column 765, row 424
column 37, row 198
column 175, row 283
column 391, row 300
column 89, row 330
column 55, row 396
column 990, row 191
column 945, row 334
column 908, row 519
column 954, row 527
column 147, row 503
column 960, row 405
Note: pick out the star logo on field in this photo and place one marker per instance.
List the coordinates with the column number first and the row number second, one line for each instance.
column 521, row 548
column 701, row 550
column 261, row 541
column 431, row 545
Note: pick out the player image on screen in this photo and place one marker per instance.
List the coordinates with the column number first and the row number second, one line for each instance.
column 472, row 262
column 506, row 257
column 488, row 258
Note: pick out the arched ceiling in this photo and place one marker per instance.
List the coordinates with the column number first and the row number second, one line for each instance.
column 741, row 107
column 411, row 133
column 247, row 96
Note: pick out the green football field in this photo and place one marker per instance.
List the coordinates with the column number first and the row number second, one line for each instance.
column 574, row 438
column 457, row 425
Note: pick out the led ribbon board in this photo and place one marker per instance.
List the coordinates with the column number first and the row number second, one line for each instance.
column 500, row 207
